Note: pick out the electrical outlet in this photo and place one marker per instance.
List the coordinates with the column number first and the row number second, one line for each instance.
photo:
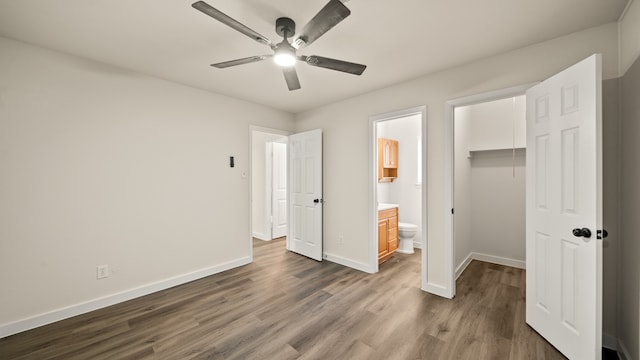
column 102, row 271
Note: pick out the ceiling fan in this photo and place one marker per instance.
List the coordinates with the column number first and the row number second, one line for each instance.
column 284, row 52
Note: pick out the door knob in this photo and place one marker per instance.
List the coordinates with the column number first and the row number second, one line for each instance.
column 316, row 201
column 584, row 232
column 601, row 234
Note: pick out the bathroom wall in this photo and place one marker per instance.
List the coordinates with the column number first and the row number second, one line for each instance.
column 404, row 191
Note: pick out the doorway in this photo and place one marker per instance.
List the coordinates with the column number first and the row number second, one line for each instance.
column 268, row 183
column 409, row 184
column 489, row 183
column 279, row 210
column 485, row 148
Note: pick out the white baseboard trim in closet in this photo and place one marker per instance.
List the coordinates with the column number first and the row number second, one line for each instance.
column 490, row 259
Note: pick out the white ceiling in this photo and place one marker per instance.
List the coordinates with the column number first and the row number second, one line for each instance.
column 397, row 40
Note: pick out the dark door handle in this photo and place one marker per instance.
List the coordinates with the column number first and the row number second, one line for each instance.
column 316, row 201
column 584, row 232
column 601, row 234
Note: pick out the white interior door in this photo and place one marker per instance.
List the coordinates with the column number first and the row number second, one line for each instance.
column 279, row 190
column 305, row 194
column 564, row 192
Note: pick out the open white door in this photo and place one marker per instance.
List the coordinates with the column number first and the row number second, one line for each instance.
column 564, row 192
column 279, row 190
column 305, row 194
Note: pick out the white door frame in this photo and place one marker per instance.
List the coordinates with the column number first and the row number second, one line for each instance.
column 373, row 185
column 450, row 285
column 252, row 129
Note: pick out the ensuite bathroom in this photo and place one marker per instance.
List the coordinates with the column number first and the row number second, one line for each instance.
column 399, row 186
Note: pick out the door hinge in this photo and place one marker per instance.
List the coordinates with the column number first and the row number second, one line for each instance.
column 451, row 211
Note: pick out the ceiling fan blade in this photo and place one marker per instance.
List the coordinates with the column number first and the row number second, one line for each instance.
column 333, row 64
column 247, row 60
column 329, row 16
column 292, row 78
column 227, row 20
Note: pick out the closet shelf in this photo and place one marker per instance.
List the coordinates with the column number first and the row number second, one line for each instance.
column 472, row 152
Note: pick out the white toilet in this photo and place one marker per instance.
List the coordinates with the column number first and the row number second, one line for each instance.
column 406, row 233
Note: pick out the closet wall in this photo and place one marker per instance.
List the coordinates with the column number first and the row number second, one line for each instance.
column 489, row 191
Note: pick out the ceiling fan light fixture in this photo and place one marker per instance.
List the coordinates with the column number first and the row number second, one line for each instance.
column 284, row 56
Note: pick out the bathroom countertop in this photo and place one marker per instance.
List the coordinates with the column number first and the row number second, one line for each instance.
column 384, row 206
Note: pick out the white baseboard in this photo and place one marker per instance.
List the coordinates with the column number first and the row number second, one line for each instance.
column 95, row 304
column 348, row 263
column 490, row 259
column 439, row 290
column 609, row 341
column 623, row 353
column 417, row 244
column 500, row 260
column 260, row 236
column 461, row 268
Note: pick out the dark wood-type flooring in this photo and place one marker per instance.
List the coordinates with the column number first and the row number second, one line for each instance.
column 285, row 306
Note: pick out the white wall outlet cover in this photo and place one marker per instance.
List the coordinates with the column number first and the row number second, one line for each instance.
column 102, row 271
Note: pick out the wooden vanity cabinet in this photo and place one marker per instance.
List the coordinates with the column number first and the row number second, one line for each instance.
column 387, row 160
column 387, row 233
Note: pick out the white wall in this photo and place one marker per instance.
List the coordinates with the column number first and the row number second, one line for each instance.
column 382, row 188
column 498, row 180
column 260, row 212
column 403, row 191
column 345, row 129
column 498, row 206
column 489, row 187
column 629, row 26
column 611, row 203
column 462, row 186
column 630, row 210
column 101, row 165
column 629, row 294
column 499, row 124
column 629, row 196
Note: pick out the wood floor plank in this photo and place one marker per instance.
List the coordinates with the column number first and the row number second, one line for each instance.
column 286, row 306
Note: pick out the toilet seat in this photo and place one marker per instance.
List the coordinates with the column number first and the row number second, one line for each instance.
column 407, row 226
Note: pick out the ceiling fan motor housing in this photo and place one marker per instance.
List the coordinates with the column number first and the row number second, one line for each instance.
column 285, row 27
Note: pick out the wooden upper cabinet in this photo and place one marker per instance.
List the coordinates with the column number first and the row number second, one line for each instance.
column 387, row 160
column 390, row 155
